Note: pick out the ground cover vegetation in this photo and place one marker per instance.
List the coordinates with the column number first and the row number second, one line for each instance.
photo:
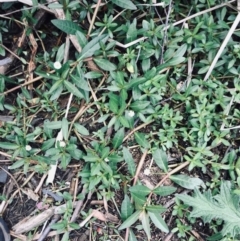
column 120, row 119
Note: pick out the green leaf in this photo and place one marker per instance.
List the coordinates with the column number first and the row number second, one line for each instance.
column 105, row 152
column 74, row 225
column 65, row 236
column 130, row 68
column 82, row 40
column 156, row 208
column 17, row 164
column 93, row 75
column 129, row 160
column 48, row 144
column 81, row 129
column 135, row 82
column 57, row 92
column 145, row 223
column 55, row 86
column 161, row 159
column 73, row 89
column 126, row 4
column 59, row 225
column 66, row 26
column 141, row 140
column 175, row 61
column 224, row 206
column 53, row 125
column 55, row 6
column 65, row 128
column 186, row 181
column 113, row 103
column 112, row 121
column 9, row 146
column 105, row 64
column 132, row 35
column 139, row 105
column 124, row 121
column 181, row 51
column 106, row 168
column 46, row 75
column 80, row 82
column 164, row 191
column 132, row 236
column 158, row 221
column 118, row 138
column 90, row 48
column 60, row 53
column 131, row 220
column 139, row 200
column 126, row 208
column 96, row 169
column 140, row 190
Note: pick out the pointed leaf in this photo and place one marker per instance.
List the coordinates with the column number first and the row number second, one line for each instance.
column 80, row 82
column 106, row 168
column 140, row 190
column 156, row 208
column 161, row 159
column 93, row 75
column 141, row 140
column 158, row 221
column 164, row 191
column 139, row 105
column 135, row 82
column 113, row 103
column 47, row 75
column 53, row 125
column 124, row 121
column 66, row 26
column 126, row 208
column 48, row 144
column 105, row 152
column 129, row 160
column 175, row 61
column 9, row 146
column 82, row 40
column 181, row 51
column 65, row 236
column 131, row 220
column 139, row 200
column 105, row 64
column 65, row 128
column 132, row 236
column 90, row 48
column 60, row 53
column 17, row 164
column 145, row 223
column 126, row 4
column 73, row 89
column 118, row 138
column 55, row 86
column 186, row 181
column 81, row 129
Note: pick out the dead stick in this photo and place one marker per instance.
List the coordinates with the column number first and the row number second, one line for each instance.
column 78, row 206
column 48, row 228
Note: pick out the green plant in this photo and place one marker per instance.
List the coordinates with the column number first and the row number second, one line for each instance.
column 65, row 223
column 222, row 206
column 144, row 209
column 140, row 83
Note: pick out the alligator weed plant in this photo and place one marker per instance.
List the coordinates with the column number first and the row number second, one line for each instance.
column 126, row 110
